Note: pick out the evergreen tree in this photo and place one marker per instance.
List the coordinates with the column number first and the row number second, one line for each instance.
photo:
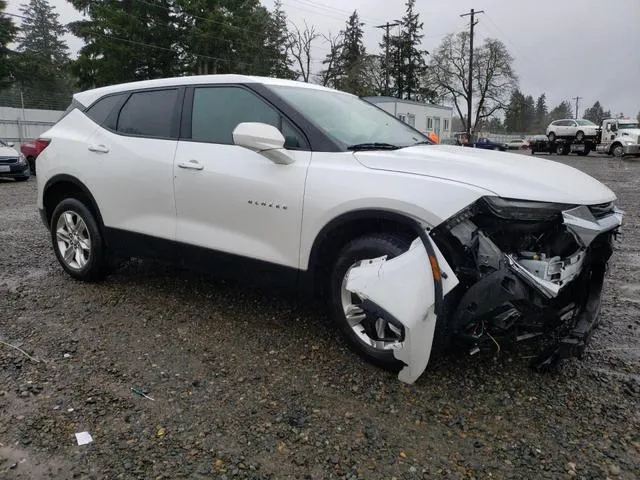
column 596, row 113
column 515, row 113
column 350, row 66
column 278, row 43
column 408, row 63
column 563, row 110
column 529, row 114
column 126, row 41
column 541, row 113
column 42, row 61
column 7, row 34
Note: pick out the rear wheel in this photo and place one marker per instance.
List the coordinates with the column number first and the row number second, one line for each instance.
column 32, row 164
column 77, row 241
column 551, row 137
column 372, row 338
column 580, row 136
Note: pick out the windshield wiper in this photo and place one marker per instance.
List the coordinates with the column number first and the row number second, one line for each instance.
column 372, row 146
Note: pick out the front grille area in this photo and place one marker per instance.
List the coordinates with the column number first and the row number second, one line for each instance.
column 602, row 210
column 8, row 160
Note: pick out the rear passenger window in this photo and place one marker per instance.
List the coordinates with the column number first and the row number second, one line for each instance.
column 149, row 114
column 217, row 111
column 100, row 111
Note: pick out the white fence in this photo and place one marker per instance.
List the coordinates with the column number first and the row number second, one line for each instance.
column 18, row 125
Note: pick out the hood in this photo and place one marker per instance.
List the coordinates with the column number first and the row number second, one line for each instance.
column 504, row 174
column 8, row 152
column 632, row 133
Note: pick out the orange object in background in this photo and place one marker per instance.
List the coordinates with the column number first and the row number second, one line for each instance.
column 433, row 137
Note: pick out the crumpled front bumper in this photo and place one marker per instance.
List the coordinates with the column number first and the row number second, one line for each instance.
column 409, row 288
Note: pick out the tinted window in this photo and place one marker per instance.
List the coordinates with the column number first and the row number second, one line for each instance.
column 99, row 112
column 218, row 111
column 149, row 114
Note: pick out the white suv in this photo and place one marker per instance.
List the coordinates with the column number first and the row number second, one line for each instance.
column 568, row 128
column 412, row 245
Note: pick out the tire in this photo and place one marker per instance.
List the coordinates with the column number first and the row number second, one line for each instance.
column 551, row 137
column 32, row 165
column 584, row 153
column 560, row 149
column 72, row 220
column 367, row 247
column 580, row 136
column 617, row 150
column 21, row 179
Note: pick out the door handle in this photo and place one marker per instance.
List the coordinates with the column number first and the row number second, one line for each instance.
column 98, row 148
column 191, row 165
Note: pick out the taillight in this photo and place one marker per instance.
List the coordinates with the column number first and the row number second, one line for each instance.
column 41, row 144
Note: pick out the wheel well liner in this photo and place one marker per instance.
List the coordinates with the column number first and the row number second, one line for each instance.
column 346, row 227
column 59, row 187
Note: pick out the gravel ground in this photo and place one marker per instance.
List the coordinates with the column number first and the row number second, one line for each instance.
column 250, row 384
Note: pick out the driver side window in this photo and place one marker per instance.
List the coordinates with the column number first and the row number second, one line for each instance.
column 217, row 111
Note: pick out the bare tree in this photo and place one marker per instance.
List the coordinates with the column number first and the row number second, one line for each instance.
column 374, row 74
column 329, row 74
column 493, row 76
column 300, row 47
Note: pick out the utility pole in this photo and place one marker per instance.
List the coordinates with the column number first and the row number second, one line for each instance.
column 387, row 26
column 472, row 24
column 577, row 99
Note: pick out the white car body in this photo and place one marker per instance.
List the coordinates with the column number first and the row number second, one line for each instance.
column 233, row 200
column 569, row 128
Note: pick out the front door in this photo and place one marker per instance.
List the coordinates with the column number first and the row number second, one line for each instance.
column 231, row 199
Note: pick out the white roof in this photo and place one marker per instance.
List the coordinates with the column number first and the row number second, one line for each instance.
column 89, row 96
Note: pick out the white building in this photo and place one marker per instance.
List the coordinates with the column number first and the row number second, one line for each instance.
column 424, row 117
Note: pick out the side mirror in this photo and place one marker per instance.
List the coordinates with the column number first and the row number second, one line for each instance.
column 264, row 139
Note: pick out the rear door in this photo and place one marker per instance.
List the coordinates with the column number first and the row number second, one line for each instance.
column 131, row 155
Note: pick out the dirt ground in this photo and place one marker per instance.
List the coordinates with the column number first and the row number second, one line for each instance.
column 250, row 384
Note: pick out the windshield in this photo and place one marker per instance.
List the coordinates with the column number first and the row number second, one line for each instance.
column 586, row 122
column 350, row 120
column 628, row 126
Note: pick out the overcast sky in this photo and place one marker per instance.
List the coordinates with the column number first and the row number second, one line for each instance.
column 564, row 48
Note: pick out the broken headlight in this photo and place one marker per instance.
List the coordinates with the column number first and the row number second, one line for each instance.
column 510, row 209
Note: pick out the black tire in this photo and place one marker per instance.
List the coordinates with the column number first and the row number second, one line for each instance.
column 97, row 264
column 584, row 153
column 580, row 136
column 617, row 150
column 32, row 165
column 560, row 149
column 370, row 246
column 21, row 179
column 551, row 137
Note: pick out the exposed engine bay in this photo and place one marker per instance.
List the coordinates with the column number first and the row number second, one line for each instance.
column 522, row 270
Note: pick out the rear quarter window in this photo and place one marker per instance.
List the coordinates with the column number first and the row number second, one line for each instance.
column 102, row 111
column 149, row 114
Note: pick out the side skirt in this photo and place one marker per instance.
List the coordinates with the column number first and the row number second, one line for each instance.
column 217, row 264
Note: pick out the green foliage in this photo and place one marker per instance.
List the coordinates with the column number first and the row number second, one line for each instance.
column 563, row 110
column 596, row 113
column 520, row 116
column 7, row 34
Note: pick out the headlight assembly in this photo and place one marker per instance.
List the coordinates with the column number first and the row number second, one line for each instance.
column 510, row 209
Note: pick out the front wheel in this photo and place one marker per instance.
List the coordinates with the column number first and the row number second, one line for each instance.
column 77, row 241
column 617, row 150
column 372, row 338
column 551, row 137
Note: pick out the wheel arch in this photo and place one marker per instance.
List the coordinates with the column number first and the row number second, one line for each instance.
column 59, row 187
column 345, row 227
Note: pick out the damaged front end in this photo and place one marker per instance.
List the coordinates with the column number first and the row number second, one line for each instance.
column 528, row 269
column 498, row 273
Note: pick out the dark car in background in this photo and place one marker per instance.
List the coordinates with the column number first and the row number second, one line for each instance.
column 539, row 143
column 13, row 164
column 489, row 144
